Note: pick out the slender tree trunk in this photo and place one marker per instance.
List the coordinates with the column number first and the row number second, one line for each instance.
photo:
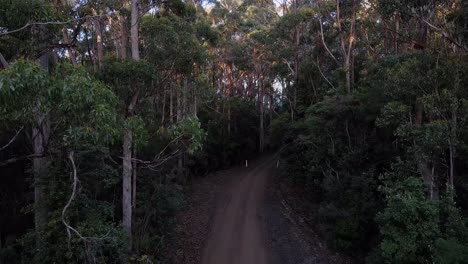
column 134, row 30
column 296, row 62
column 194, row 102
column 3, row 61
column 347, row 44
column 397, row 31
column 127, row 186
column 179, row 111
column 134, row 176
column 99, row 41
column 163, row 111
column 123, row 36
column 178, row 107
column 261, row 107
column 128, row 138
column 452, row 147
column 423, row 167
column 171, row 104
column 70, row 50
column 40, row 135
column 229, row 118
column 40, row 138
column 184, row 97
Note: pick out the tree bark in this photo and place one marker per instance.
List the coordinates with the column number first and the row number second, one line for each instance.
column 3, row 61
column 171, row 104
column 123, row 36
column 70, row 50
column 134, row 30
column 128, row 142
column 40, row 135
column 423, row 166
column 261, row 107
column 127, row 186
column 397, row 31
column 40, row 138
column 163, row 111
column 99, row 42
column 134, row 176
column 346, row 45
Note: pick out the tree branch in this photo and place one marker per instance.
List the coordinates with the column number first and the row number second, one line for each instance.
column 323, row 75
column 325, row 44
column 13, row 139
column 13, row 160
column 3, row 61
column 29, row 24
column 70, row 200
column 446, row 35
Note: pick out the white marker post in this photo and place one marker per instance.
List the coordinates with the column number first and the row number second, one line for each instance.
column 246, row 163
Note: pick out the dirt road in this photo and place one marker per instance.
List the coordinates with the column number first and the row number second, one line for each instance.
column 240, row 216
column 237, row 235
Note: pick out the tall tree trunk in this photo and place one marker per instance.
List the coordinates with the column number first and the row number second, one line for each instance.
column 179, row 111
column 70, row 50
column 134, row 179
column 163, row 111
column 178, row 107
column 427, row 174
column 171, row 104
column 99, row 41
column 346, row 44
column 127, row 186
column 296, row 62
column 229, row 118
column 452, row 147
column 40, row 135
column 134, row 30
column 40, row 138
column 397, row 30
column 123, row 36
column 128, row 138
column 261, row 107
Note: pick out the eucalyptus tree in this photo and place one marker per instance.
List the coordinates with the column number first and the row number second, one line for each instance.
column 79, row 112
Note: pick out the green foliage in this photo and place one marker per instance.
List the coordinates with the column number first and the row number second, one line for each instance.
column 222, row 148
column 23, row 87
column 155, row 225
column 172, row 43
column 329, row 153
column 82, row 115
column 127, row 77
column 189, row 132
column 15, row 14
column 82, row 108
column 409, row 224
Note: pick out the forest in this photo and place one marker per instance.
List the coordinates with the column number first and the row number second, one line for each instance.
column 111, row 111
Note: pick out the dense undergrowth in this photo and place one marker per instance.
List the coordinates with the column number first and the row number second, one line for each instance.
column 359, row 156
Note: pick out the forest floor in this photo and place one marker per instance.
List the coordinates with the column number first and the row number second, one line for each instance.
column 242, row 216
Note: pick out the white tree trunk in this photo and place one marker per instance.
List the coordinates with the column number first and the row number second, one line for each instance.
column 134, row 30
column 127, row 186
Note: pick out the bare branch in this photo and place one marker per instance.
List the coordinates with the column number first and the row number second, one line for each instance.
column 12, row 139
column 289, row 66
column 13, row 160
column 325, row 44
column 29, row 24
column 70, row 200
column 446, row 35
column 69, row 228
column 323, row 75
column 3, row 61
